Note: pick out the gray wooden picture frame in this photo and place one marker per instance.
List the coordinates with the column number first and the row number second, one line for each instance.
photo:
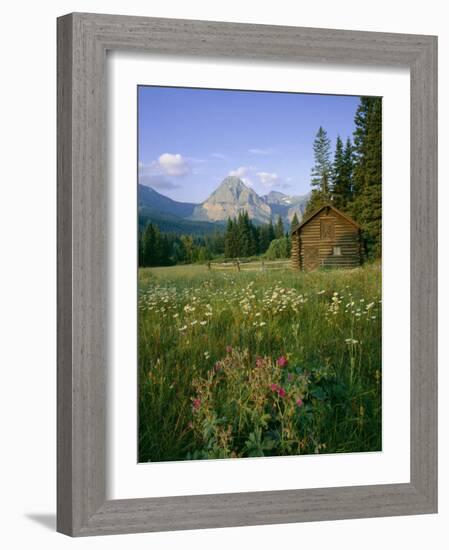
column 83, row 40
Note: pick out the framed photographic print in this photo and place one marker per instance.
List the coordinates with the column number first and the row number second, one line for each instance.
column 246, row 274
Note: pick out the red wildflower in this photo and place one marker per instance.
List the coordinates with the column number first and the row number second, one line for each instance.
column 282, row 392
column 196, row 404
column 274, row 387
column 282, row 361
column 300, row 402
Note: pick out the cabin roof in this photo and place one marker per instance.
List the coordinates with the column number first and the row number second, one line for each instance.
column 318, row 210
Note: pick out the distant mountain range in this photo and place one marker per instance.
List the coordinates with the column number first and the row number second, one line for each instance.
column 230, row 198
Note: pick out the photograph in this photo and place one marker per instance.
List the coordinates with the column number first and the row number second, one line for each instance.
column 259, row 273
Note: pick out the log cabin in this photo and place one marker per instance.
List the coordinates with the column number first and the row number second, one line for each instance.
column 326, row 238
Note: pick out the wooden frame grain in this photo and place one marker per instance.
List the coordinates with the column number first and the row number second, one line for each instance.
column 83, row 40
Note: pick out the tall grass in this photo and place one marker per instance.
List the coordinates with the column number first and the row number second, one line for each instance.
column 258, row 363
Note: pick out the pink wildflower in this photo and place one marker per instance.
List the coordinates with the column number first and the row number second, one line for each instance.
column 299, row 402
column 259, row 362
column 282, row 392
column 228, row 349
column 196, row 404
column 275, row 387
column 282, row 361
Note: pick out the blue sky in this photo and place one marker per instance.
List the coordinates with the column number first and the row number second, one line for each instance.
column 190, row 139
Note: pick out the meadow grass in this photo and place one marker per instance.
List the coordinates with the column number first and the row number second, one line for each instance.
column 258, row 362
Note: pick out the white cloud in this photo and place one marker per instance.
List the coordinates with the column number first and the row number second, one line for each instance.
column 268, row 179
column 244, row 173
column 240, row 172
column 257, row 151
column 248, row 182
column 173, row 164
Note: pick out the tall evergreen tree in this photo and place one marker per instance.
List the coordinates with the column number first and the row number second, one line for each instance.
column 279, row 228
column 264, row 239
column 342, row 174
column 295, row 220
column 149, row 252
column 321, row 171
column 348, row 160
column 366, row 206
column 270, row 231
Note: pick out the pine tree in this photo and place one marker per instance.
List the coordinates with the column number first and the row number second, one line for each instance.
column 340, row 182
column 148, row 245
column 295, row 220
column 348, row 159
column 229, row 240
column 321, row 172
column 270, row 232
column 279, row 228
column 366, row 206
column 263, row 241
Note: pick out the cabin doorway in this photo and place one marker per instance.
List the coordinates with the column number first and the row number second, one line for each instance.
column 311, row 258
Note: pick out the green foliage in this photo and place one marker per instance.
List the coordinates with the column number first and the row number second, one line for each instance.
column 317, row 199
column 366, row 206
column 157, row 248
column 244, row 239
column 279, row 248
column 321, row 172
column 353, row 183
column 295, row 220
column 218, row 350
column 342, row 175
column 279, row 228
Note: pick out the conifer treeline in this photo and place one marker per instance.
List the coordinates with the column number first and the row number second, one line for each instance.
column 352, row 181
column 159, row 249
column 244, row 238
column 241, row 238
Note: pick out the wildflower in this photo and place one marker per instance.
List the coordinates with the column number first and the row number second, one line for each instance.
column 183, row 328
column 217, row 366
column 351, row 341
column 202, row 323
column 282, row 361
column 196, row 404
column 275, row 387
column 228, row 349
column 281, row 392
column 259, row 362
column 299, row 402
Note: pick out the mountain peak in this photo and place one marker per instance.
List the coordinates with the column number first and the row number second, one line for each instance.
column 232, row 181
column 231, row 198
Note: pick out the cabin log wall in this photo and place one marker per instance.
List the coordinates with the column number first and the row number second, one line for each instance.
column 345, row 235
